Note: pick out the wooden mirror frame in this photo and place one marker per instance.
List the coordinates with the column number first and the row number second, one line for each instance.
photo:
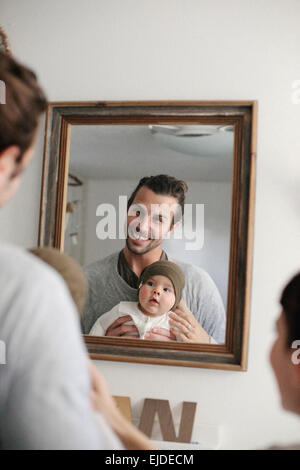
column 242, row 115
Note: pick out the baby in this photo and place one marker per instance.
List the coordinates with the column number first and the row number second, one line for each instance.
column 160, row 289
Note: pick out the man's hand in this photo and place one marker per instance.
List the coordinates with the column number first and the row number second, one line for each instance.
column 190, row 331
column 117, row 328
column 160, row 334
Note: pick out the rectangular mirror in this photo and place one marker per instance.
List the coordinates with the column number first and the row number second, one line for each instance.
column 95, row 156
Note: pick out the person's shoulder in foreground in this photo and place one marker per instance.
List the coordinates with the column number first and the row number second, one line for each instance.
column 203, row 299
column 45, row 386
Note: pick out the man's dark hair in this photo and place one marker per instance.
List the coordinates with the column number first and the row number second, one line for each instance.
column 164, row 185
column 290, row 301
column 24, row 102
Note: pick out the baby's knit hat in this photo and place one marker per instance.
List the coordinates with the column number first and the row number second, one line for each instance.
column 168, row 269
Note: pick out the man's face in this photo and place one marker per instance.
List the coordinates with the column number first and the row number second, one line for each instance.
column 10, row 172
column 149, row 220
column 287, row 374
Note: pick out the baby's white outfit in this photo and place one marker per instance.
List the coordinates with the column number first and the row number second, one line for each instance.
column 143, row 322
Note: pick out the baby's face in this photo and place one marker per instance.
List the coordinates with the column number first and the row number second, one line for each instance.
column 157, row 296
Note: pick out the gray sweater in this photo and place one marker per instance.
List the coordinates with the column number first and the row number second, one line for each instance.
column 44, row 382
column 107, row 288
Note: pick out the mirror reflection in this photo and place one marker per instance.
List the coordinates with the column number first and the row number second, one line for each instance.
column 148, row 216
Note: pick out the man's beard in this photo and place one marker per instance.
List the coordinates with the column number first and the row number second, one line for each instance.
column 152, row 245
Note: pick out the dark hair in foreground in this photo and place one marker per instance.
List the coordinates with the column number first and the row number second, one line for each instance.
column 24, row 102
column 165, row 185
column 290, row 301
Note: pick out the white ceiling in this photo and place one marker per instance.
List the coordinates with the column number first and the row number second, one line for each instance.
column 129, row 152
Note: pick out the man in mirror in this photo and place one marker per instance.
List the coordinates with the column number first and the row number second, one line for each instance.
column 155, row 209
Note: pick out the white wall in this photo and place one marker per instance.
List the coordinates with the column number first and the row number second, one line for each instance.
column 200, row 49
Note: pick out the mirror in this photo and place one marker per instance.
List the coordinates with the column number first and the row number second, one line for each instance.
column 95, row 156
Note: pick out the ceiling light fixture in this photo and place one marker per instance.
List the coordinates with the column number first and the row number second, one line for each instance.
column 196, row 140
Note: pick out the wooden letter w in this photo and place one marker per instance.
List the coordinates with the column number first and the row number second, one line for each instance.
column 162, row 408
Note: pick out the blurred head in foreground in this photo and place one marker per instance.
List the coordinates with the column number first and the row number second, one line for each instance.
column 285, row 353
column 70, row 271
